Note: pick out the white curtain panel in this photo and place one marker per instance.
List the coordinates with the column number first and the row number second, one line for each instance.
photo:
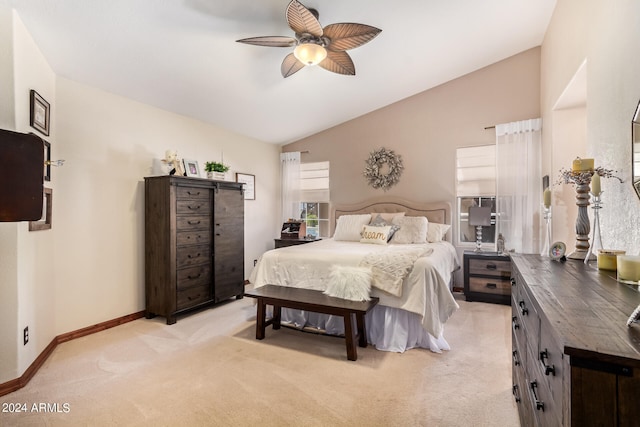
column 290, row 185
column 519, row 184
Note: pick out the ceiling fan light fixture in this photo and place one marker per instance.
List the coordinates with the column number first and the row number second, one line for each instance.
column 310, row 53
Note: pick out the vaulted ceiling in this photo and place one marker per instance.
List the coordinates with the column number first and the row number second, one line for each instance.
column 182, row 55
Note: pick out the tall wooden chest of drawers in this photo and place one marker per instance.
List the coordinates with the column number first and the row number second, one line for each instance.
column 575, row 361
column 194, row 244
column 487, row 277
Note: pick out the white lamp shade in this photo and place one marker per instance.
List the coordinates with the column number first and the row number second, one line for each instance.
column 310, row 53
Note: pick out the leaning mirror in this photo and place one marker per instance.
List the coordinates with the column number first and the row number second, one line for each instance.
column 635, row 142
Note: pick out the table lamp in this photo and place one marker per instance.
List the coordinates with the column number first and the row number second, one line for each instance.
column 479, row 216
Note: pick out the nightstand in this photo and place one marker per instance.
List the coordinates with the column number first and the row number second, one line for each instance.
column 487, row 277
column 283, row 243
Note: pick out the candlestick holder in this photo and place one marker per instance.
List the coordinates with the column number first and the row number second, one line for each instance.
column 583, row 227
column 596, row 239
column 547, row 232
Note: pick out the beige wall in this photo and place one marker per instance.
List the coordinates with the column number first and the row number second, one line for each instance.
column 607, row 36
column 89, row 267
column 425, row 130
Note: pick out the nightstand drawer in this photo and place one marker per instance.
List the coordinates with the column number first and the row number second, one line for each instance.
column 490, row 286
column 490, row 267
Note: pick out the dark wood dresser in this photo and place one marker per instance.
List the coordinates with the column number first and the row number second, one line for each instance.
column 487, row 277
column 575, row 362
column 194, row 244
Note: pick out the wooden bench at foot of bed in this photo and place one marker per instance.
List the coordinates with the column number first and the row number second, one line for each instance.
column 317, row 302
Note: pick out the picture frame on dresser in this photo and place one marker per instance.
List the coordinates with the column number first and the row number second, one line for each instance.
column 191, row 168
column 249, row 182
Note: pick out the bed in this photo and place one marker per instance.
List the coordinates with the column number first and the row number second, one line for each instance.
column 411, row 277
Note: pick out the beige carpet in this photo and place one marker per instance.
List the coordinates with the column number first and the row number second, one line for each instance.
column 208, row 369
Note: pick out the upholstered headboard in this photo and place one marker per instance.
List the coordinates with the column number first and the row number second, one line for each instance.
column 439, row 212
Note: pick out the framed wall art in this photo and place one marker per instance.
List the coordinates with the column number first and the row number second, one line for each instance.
column 44, row 223
column 40, row 113
column 191, row 168
column 249, row 182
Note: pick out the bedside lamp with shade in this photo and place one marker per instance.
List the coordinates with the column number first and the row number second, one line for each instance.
column 479, row 216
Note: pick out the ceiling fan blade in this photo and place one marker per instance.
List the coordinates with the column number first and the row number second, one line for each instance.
column 347, row 36
column 290, row 65
column 301, row 20
column 272, row 41
column 338, row 62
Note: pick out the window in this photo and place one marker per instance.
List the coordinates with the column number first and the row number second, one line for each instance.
column 314, row 189
column 475, row 186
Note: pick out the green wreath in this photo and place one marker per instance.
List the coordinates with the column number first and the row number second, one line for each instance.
column 383, row 168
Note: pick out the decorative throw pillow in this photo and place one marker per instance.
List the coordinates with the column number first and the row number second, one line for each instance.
column 352, row 283
column 388, row 217
column 436, row 232
column 348, row 227
column 413, row 229
column 379, row 221
column 375, row 234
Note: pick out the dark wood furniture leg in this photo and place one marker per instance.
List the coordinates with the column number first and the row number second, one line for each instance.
column 352, row 352
column 277, row 316
column 261, row 319
column 362, row 330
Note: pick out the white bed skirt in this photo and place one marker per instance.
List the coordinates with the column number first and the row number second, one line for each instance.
column 388, row 328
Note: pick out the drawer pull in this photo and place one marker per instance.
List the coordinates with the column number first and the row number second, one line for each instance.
column 491, row 285
column 491, row 267
column 524, row 310
column 515, row 358
column 539, row 404
column 193, row 194
column 548, row 369
column 513, row 281
column 192, row 257
column 193, row 222
column 514, row 390
column 197, row 297
column 190, row 277
column 194, row 208
column 514, row 321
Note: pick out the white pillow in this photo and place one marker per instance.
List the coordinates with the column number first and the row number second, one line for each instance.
column 376, row 234
column 413, row 229
column 436, row 232
column 349, row 227
column 352, row 283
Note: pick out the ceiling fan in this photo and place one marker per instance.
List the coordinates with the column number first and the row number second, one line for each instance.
column 316, row 45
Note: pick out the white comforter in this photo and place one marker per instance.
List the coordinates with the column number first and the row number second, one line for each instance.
column 425, row 289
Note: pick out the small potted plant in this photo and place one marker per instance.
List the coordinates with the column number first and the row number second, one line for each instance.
column 215, row 170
